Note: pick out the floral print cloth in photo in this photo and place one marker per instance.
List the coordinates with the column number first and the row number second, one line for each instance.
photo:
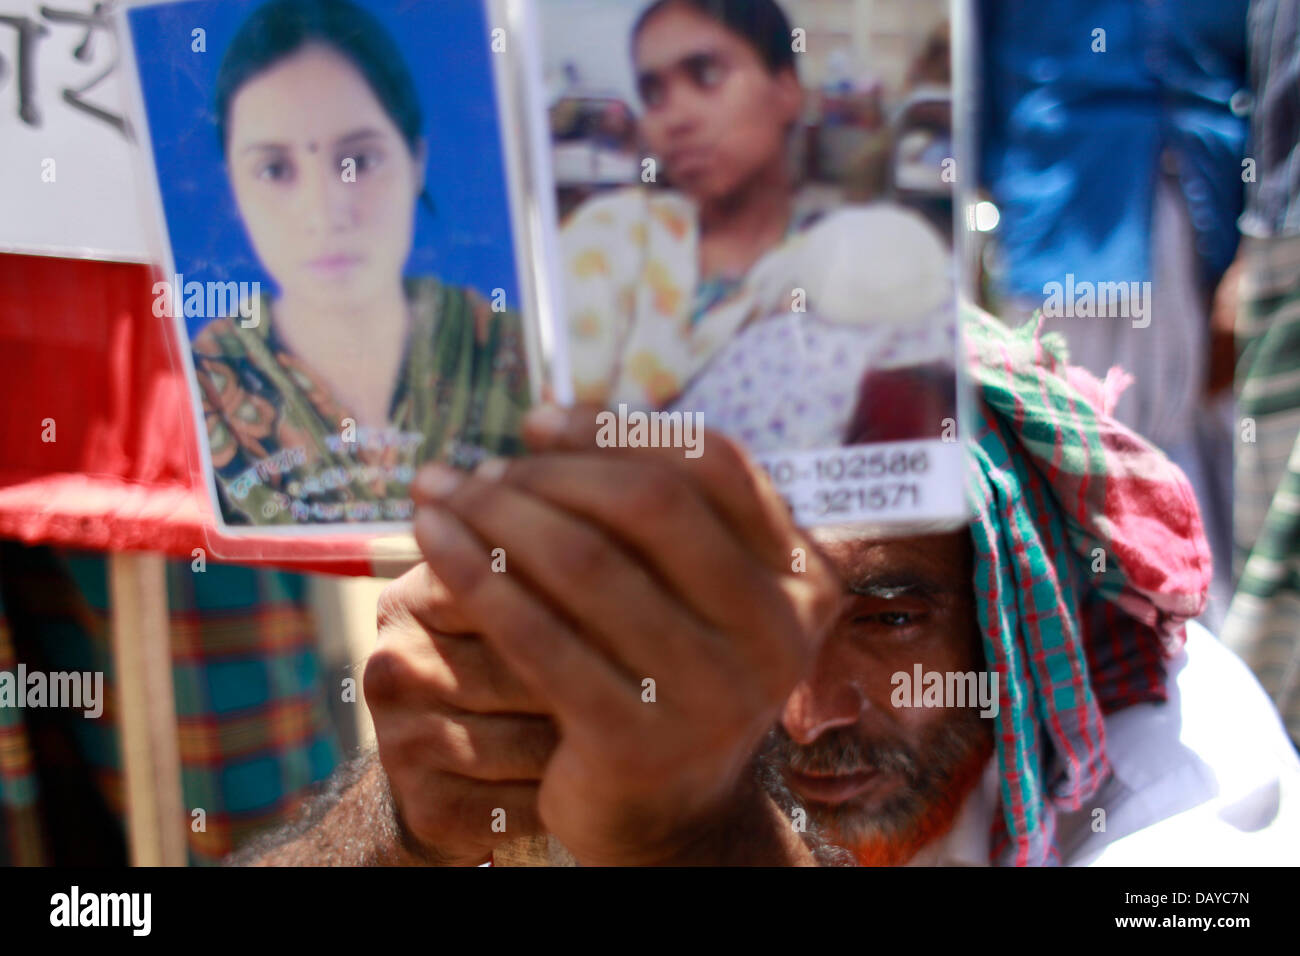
column 278, row 441
column 644, row 324
column 792, row 381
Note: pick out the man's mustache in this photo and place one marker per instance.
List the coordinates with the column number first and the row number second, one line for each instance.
column 841, row 752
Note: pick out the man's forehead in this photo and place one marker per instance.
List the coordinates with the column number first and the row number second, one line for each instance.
column 944, row 560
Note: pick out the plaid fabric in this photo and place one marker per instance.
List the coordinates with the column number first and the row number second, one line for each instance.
column 254, row 733
column 1263, row 623
column 22, row 844
column 1090, row 556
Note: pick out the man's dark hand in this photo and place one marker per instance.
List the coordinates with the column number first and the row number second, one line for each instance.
column 662, row 608
column 462, row 740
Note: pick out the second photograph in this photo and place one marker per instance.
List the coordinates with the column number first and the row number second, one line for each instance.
column 756, row 234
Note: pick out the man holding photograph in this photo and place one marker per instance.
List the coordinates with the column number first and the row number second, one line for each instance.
column 669, row 672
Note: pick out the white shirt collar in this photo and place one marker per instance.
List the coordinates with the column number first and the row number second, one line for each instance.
column 967, row 843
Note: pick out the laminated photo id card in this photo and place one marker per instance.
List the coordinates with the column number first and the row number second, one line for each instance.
column 755, row 214
column 354, row 248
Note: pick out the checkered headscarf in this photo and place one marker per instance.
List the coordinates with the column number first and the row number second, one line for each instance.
column 1090, row 557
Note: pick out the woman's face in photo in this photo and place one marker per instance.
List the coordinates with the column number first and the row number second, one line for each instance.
column 325, row 183
column 714, row 114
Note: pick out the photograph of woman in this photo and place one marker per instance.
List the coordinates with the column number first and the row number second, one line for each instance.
column 356, row 370
column 718, row 283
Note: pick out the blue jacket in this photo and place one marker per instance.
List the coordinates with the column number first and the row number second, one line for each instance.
column 1072, row 141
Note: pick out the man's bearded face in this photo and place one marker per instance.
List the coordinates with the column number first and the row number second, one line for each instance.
column 880, row 780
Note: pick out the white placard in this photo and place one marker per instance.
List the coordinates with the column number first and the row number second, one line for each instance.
column 67, row 185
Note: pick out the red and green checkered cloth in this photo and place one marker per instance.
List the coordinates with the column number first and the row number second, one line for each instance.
column 1090, row 557
column 255, row 735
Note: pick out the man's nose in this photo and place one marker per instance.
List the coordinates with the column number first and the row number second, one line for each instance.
column 821, row 703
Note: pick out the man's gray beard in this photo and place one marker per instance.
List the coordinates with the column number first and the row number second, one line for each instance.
column 927, row 776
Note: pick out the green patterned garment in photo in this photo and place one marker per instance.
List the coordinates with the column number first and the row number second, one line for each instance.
column 284, row 451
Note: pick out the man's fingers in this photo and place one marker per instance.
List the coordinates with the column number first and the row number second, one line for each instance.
column 736, row 488
column 612, row 600
column 487, row 747
column 476, row 678
column 659, row 514
column 419, row 595
column 554, row 663
column 427, row 656
column 412, row 668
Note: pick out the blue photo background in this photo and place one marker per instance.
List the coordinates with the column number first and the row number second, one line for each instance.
column 466, row 241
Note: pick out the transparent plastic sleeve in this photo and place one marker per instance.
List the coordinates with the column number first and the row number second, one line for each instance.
column 757, row 238
column 349, row 209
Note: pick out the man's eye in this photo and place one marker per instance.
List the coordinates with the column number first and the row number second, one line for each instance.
column 887, row 619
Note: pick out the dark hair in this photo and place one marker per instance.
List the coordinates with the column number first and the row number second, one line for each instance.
column 760, row 23
column 281, row 28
